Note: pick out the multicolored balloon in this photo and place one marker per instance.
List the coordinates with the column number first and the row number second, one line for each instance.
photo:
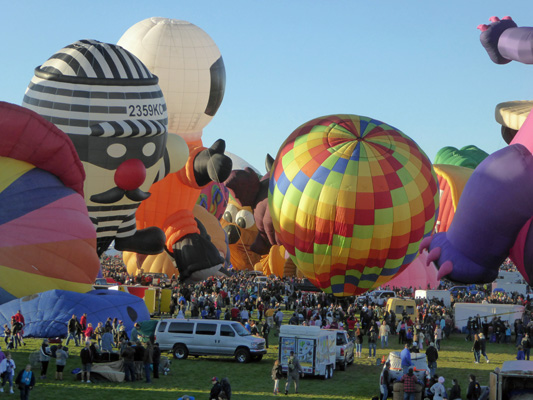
column 351, row 198
column 47, row 240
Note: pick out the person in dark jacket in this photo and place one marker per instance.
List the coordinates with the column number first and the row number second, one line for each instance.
column 455, row 392
column 156, row 359
column 215, row 389
column 139, row 357
column 87, row 359
column 128, row 355
column 148, row 359
column 25, row 381
column 474, row 390
column 432, row 355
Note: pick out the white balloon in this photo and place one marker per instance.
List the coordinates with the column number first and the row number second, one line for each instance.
column 189, row 67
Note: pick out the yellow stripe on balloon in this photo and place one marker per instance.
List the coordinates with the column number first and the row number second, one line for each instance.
column 12, row 169
column 35, row 283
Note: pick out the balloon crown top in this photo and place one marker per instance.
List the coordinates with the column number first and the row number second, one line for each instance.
column 93, row 62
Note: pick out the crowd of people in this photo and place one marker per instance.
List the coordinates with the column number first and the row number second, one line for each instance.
column 262, row 307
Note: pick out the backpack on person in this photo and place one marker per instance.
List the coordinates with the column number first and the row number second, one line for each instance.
column 290, row 364
column 226, row 387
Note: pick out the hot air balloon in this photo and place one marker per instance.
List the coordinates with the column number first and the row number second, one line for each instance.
column 452, row 180
column 113, row 110
column 192, row 77
column 467, row 156
column 47, row 314
column 47, row 240
column 351, row 198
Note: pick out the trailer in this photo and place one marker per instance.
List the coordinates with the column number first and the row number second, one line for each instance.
column 315, row 348
column 513, row 381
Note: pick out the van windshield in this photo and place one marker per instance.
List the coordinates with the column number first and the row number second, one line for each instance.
column 241, row 330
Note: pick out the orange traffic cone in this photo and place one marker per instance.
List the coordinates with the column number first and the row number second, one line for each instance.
column 383, row 359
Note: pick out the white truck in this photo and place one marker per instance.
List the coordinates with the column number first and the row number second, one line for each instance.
column 514, row 380
column 442, row 295
column 315, row 348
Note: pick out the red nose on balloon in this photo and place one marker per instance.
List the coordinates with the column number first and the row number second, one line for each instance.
column 130, row 174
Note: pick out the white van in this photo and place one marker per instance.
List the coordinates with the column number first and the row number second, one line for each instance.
column 201, row 337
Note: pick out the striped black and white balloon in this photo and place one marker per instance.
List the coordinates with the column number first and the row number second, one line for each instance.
column 113, row 109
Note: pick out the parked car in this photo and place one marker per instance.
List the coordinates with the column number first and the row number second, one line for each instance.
column 455, row 290
column 376, row 297
column 159, row 279
column 345, row 349
column 202, row 337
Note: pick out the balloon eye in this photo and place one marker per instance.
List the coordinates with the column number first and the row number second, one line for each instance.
column 230, row 213
column 245, row 219
column 149, row 149
column 116, row 150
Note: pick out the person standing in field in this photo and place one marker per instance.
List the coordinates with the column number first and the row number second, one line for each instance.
column 277, row 374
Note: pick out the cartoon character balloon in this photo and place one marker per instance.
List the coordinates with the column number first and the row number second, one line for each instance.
column 47, row 240
column 351, row 198
column 493, row 218
column 114, row 112
column 193, row 78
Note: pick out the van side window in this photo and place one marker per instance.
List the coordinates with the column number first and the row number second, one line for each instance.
column 162, row 327
column 226, row 330
column 410, row 309
column 399, row 310
column 181, row 327
column 206, row 329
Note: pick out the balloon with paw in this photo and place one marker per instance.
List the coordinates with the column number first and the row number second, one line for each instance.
column 112, row 108
column 192, row 77
column 238, row 218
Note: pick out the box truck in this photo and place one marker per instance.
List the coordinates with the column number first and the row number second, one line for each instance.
column 315, row 348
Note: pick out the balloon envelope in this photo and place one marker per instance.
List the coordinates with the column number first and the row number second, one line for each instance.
column 351, row 198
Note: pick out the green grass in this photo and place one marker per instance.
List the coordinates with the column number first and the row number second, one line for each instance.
column 252, row 381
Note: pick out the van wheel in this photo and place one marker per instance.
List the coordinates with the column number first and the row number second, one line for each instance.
column 242, row 355
column 180, row 351
column 343, row 365
column 331, row 369
column 326, row 373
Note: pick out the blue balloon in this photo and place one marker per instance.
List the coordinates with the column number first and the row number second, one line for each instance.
column 47, row 314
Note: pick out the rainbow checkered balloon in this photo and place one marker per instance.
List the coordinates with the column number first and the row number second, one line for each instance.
column 351, row 198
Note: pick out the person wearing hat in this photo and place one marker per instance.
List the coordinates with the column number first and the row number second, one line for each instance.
column 438, row 389
column 384, row 381
column 215, row 389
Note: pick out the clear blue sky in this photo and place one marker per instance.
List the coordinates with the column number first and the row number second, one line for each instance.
column 416, row 65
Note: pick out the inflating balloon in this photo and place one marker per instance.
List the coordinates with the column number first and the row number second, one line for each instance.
column 504, row 41
column 214, row 198
column 351, row 198
column 496, row 204
column 114, row 112
column 493, row 217
column 452, row 180
column 192, row 77
column 511, row 115
column 47, row 314
column 467, row 156
column 47, row 240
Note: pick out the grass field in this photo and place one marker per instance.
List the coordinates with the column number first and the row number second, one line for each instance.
column 252, row 381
